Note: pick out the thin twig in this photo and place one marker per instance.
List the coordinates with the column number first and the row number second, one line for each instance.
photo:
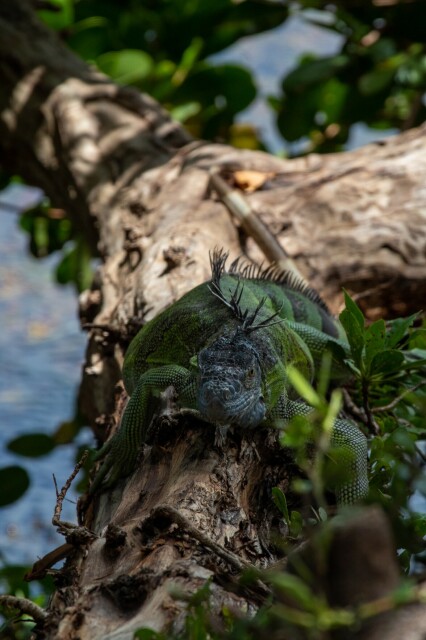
column 40, row 568
column 60, row 496
column 235, row 202
column 371, row 423
column 392, row 405
column 354, row 408
column 24, row 606
column 373, row 290
column 74, row 534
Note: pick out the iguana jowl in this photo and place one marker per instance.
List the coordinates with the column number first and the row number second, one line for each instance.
column 225, row 347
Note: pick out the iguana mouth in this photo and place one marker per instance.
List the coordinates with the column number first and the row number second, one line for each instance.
column 248, row 416
column 228, row 402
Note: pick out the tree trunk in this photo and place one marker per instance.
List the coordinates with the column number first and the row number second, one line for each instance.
column 137, row 186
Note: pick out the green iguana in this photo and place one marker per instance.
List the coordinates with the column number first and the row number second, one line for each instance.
column 225, row 347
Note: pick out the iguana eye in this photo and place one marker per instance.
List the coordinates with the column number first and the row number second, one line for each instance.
column 250, row 376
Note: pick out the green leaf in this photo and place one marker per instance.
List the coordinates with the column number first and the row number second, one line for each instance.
column 14, row 481
column 397, row 329
column 296, row 116
column 48, row 229
column 314, row 72
column 127, row 66
column 297, row 432
column 61, row 18
column 354, row 310
column 352, row 320
column 75, row 266
column 375, row 337
column 214, row 88
column 296, row 524
column 281, row 503
column 189, row 58
column 354, row 334
column 303, row 387
column 32, row 445
column 386, row 363
column 185, row 111
column 375, row 81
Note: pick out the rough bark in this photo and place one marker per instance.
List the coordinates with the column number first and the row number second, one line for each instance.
column 138, row 187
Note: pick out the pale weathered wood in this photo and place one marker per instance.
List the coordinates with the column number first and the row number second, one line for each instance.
column 137, row 186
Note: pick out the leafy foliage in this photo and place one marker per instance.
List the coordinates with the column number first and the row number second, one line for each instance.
column 389, row 366
column 50, row 230
column 377, row 77
column 388, row 400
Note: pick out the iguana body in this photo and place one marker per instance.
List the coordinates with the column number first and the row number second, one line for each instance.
column 225, row 347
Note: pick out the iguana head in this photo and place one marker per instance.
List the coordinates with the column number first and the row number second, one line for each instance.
column 230, row 382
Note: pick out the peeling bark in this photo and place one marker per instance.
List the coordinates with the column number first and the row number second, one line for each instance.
column 137, row 186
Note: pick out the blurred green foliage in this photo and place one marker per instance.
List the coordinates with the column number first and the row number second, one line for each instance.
column 166, row 48
column 378, row 77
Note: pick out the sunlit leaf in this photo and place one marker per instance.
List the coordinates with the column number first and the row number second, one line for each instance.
column 251, row 180
column 127, row 66
column 62, row 17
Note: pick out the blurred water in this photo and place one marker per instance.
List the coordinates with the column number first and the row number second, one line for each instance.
column 41, row 352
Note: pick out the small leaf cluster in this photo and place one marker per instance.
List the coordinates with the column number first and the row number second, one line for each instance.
column 388, row 363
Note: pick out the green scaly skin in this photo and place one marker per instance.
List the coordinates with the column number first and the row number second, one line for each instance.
column 225, row 347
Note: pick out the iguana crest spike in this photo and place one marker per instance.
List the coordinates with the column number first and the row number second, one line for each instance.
column 270, row 273
column 218, row 263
